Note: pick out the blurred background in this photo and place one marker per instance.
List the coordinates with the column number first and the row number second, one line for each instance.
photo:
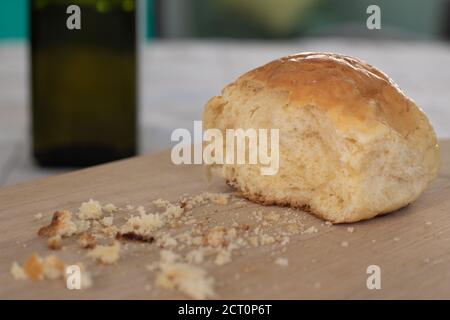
column 190, row 49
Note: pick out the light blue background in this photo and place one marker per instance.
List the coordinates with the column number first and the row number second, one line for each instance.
column 14, row 19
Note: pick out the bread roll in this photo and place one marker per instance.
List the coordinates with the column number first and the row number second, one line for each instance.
column 351, row 144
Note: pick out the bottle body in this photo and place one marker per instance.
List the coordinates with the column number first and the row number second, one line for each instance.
column 83, row 83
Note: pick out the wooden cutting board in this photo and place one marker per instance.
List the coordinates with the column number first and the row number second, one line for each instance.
column 414, row 255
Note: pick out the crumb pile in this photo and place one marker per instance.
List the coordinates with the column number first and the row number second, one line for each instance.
column 190, row 241
column 47, row 268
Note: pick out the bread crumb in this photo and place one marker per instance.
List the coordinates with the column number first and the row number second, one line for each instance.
column 34, row 268
column 111, row 231
column 223, row 257
column 344, row 244
column 173, row 211
column 86, row 241
column 160, row 203
column 144, row 224
column 38, row 216
column 82, row 226
column 198, row 239
column 61, row 225
column 110, row 208
column 317, row 285
column 350, row 229
column 54, row 268
column 91, row 210
column 185, row 278
column 18, row 272
column 54, row 243
column 266, row 239
column 284, row 262
column 293, row 228
column 396, row 239
column 216, row 198
column 428, row 223
column 310, row 230
column 37, row 268
column 328, row 223
column 167, row 241
column 107, row 221
column 215, row 236
column 106, row 254
column 272, row 216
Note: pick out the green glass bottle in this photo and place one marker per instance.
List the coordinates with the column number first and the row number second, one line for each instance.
column 83, row 81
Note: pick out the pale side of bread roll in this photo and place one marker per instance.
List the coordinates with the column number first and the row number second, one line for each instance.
column 352, row 145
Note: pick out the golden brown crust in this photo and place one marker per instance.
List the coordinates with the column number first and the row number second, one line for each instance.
column 34, row 268
column 350, row 90
column 52, row 229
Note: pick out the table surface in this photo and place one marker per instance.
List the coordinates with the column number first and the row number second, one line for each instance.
column 410, row 246
column 179, row 77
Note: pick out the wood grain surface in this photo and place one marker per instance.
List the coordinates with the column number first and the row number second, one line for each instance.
column 411, row 246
